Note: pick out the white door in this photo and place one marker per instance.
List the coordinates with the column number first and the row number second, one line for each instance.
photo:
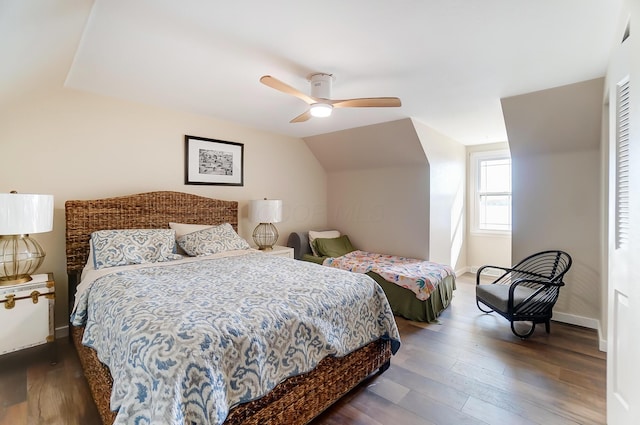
column 623, row 351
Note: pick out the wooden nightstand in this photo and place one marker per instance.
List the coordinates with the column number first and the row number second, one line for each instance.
column 27, row 314
column 281, row 251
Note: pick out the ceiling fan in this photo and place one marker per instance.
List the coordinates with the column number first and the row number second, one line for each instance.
column 320, row 102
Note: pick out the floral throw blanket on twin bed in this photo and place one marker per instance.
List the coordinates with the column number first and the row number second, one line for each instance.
column 187, row 340
column 420, row 276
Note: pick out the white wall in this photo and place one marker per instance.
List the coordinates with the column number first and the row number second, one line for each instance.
column 378, row 187
column 560, row 209
column 484, row 248
column 447, row 191
column 382, row 209
column 397, row 188
column 554, row 137
column 82, row 146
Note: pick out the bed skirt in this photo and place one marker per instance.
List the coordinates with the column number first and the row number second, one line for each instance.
column 297, row 400
column 404, row 303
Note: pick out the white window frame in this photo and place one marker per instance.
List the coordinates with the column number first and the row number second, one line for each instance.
column 475, row 159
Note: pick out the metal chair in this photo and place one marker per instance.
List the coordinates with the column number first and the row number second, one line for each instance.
column 527, row 291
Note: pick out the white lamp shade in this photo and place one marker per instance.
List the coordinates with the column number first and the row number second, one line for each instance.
column 265, row 211
column 25, row 213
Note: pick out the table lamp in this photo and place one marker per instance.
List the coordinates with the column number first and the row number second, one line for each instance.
column 266, row 212
column 21, row 215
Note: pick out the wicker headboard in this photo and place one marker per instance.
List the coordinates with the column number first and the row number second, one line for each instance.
column 152, row 210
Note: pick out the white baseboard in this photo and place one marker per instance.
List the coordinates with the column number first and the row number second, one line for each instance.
column 62, row 332
column 462, row 271
column 572, row 319
column 603, row 342
column 488, row 271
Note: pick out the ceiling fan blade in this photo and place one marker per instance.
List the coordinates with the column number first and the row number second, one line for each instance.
column 367, row 102
column 302, row 117
column 274, row 83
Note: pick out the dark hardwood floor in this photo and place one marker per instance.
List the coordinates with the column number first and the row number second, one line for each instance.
column 467, row 369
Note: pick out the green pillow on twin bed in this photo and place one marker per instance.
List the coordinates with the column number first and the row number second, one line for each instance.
column 334, row 247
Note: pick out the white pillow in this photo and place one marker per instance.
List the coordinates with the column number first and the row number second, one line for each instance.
column 182, row 228
column 212, row 240
column 89, row 265
column 327, row 234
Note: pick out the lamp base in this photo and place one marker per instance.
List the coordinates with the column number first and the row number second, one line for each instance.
column 20, row 257
column 265, row 235
column 14, row 280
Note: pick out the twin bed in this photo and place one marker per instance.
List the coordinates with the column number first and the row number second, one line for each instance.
column 420, row 299
column 233, row 336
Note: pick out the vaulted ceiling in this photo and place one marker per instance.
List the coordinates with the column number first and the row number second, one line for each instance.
column 449, row 61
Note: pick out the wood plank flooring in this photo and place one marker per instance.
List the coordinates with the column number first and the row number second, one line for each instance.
column 467, row 369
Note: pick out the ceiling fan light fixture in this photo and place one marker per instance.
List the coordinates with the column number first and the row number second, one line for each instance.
column 320, row 101
column 320, row 110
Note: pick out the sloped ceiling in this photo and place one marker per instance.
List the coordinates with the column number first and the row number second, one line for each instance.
column 449, row 61
column 561, row 119
column 392, row 144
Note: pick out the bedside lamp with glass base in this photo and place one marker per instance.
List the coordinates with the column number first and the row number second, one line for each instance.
column 266, row 212
column 20, row 216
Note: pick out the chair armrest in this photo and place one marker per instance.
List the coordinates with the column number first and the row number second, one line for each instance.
column 299, row 241
column 479, row 272
column 543, row 282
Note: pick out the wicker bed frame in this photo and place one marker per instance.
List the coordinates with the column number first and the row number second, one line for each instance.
column 297, row 400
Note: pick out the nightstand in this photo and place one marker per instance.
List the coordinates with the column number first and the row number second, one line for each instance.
column 27, row 314
column 281, row 251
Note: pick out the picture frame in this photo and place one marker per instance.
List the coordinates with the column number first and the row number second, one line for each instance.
column 213, row 162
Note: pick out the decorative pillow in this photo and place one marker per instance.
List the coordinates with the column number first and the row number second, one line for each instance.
column 182, row 229
column 212, row 240
column 334, row 247
column 133, row 246
column 313, row 235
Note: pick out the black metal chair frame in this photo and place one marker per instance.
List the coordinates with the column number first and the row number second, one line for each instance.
column 543, row 272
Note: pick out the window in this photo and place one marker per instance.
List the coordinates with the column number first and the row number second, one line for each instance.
column 491, row 174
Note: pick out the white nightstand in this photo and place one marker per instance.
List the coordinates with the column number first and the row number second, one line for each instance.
column 26, row 313
column 282, row 251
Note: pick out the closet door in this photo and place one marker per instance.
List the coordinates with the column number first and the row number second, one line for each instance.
column 623, row 351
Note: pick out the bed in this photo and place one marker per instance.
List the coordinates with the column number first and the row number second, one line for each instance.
column 403, row 301
column 312, row 386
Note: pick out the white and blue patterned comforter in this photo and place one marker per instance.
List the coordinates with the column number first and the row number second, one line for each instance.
column 185, row 341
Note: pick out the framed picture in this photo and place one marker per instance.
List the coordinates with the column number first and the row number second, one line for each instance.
column 210, row 161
